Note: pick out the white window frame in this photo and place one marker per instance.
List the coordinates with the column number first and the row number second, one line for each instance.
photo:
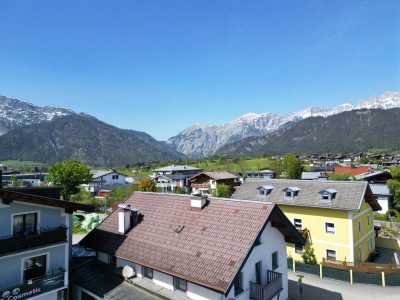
column 369, row 244
column 326, row 228
column 24, row 213
column 301, row 223
column 326, row 253
column 298, row 250
column 31, row 256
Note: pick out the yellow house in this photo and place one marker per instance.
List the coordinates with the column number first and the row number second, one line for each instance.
column 336, row 216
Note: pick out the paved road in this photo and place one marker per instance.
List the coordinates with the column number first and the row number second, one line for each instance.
column 315, row 288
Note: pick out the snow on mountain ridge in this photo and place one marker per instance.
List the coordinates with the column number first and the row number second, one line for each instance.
column 196, row 143
column 15, row 113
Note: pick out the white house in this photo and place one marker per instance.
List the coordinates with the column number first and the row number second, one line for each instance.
column 170, row 178
column 34, row 248
column 181, row 246
column 105, row 180
column 382, row 193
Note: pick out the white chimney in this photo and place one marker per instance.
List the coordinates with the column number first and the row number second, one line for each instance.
column 124, row 218
column 197, row 203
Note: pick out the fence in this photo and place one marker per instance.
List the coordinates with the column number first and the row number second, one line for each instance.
column 369, row 273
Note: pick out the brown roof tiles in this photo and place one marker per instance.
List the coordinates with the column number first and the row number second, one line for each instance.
column 210, row 248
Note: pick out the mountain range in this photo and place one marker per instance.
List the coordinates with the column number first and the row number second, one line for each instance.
column 48, row 134
column 203, row 140
column 85, row 138
column 351, row 131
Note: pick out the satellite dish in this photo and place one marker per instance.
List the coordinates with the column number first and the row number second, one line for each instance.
column 128, row 272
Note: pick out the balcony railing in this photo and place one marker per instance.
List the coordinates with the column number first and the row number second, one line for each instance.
column 34, row 287
column 42, row 238
column 268, row 291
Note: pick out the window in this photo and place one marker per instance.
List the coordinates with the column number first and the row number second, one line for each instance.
column 115, row 176
column 369, row 244
column 331, row 254
column 325, row 197
column 291, row 192
column 148, row 272
column 275, row 260
column 34, row 267
column 368, row 220
column 360, row 253
column 238, row 284
column 261, row 192
column 180, row 284
column 258, row 272
column 298, row 248
column 359, row 226
column 327, row 194
column 26, row 223
column 86, row 296
column 330, row 228
column 298, row 223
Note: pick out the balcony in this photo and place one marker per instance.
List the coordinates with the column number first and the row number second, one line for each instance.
column 268, row 291
column 34, row 287
column 44, row 237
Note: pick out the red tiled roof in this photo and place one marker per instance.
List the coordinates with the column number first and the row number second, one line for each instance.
column 209, row 250
column 351, row 171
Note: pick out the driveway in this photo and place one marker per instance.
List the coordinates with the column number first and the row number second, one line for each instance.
column 315, row 288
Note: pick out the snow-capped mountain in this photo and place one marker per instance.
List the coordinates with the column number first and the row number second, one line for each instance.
column 202, row 140
column 15, row 113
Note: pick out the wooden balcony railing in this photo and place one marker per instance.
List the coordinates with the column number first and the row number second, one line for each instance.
column 268, row 291
column 42, row 238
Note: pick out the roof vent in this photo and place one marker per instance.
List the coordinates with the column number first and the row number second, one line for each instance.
column 197, row 202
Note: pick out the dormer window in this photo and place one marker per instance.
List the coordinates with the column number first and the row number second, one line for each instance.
column 291, row 192
column 264, row 190
column 327, row 195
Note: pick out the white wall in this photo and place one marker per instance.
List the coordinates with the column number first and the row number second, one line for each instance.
column 164, row 280
column 384, row 203
column 271, row 240
column 198, row 292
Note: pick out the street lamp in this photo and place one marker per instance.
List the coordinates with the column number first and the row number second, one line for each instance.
column 300, row 285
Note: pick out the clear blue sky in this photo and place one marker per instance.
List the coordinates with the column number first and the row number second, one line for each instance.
column 162, row 66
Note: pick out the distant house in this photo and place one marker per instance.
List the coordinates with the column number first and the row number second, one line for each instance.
column 104, row 181
column 383, row 195
column 374, row 176
column 26, row 180
column 336, row 216
column 266, row 174
column 314, row 176
column 34, row 244
column 206, row 182
column 170, row 178
column 188, row 247
column 351, row 170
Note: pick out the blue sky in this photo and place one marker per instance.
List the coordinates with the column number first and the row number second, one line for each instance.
column 162, row 66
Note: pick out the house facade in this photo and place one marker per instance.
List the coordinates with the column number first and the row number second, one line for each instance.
column 205, row 183
column 104, row 181
column 34, row 246
column 383, row 195
column 336, row 217
column 183, row 246
column 172, row 177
